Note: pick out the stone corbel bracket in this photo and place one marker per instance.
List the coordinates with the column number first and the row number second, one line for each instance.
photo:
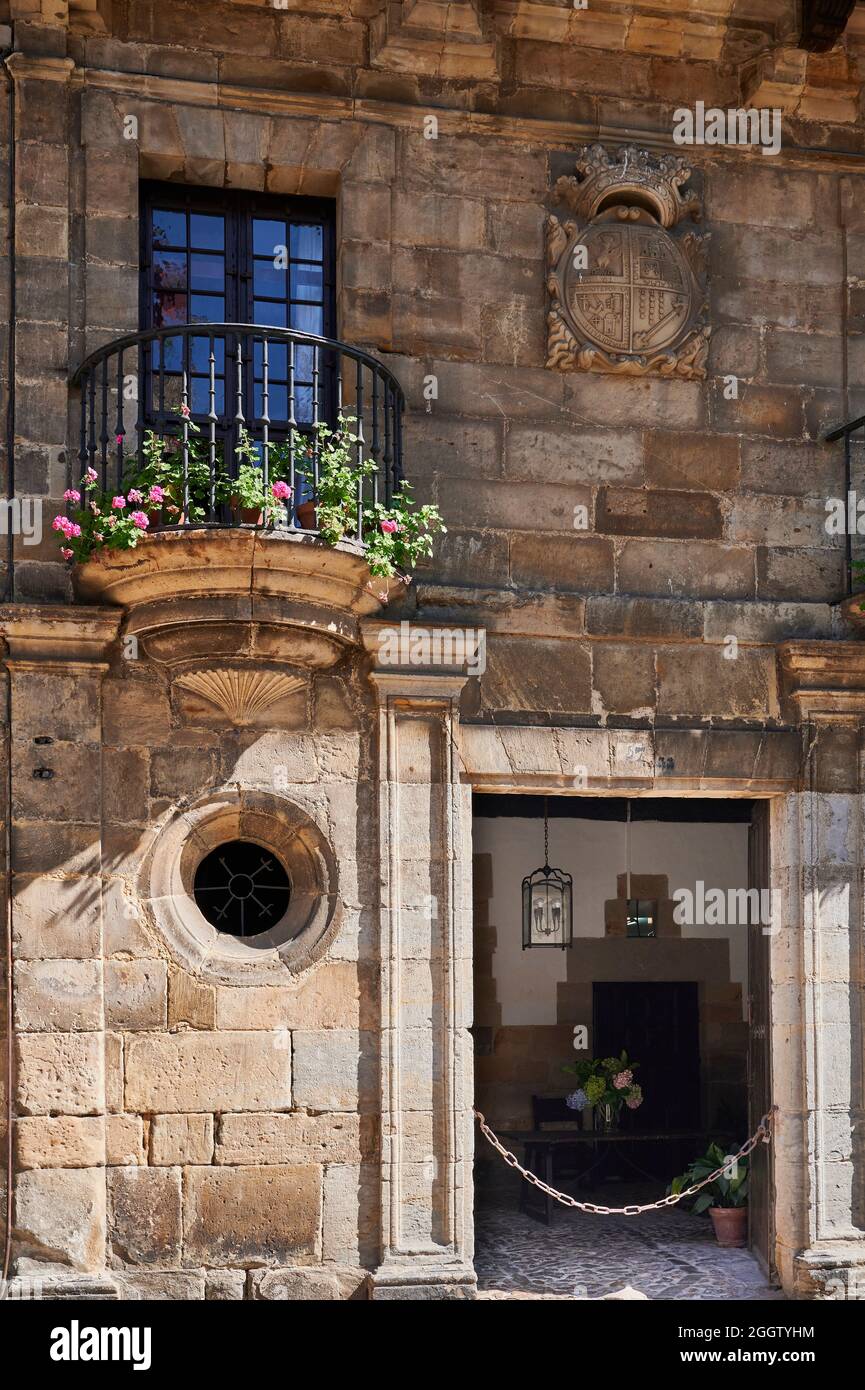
column 62, row 637
column 824, row 681
column 433, row 37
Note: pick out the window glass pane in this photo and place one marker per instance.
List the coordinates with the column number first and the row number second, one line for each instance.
column 277, row 407
column 200, row 355
column 168, row 354
column 200, row 397
column 303, row 404
column 169, row 228
column 172, row 393
column 207, row 308
column 267, row 280
column 277, row 362
column 272, row 314
column 169, row 271
column 303, row 359
column 168, row 309
column 207, row 231
column 267, row 237
column 208, row 272
column 306, row 282
column 308, row 318
column 306, row 243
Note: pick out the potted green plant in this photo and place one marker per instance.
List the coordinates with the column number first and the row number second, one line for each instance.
column 175, row 483
column 725, row 1197
column 604, row 1085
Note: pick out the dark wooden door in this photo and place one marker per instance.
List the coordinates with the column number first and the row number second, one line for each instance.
column 760, row 1198
column 658, row 1026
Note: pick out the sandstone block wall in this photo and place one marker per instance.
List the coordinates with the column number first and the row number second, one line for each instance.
column 182, row 1130
column 151, row 1101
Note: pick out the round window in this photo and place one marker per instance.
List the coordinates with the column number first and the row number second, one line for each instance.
column 241, row 888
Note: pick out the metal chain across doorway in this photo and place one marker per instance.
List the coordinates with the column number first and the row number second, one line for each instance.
column 763, row 1131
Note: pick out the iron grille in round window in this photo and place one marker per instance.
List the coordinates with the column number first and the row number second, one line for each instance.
column 241, row 888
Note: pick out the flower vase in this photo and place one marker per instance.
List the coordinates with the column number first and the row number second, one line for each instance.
column 608, row 1118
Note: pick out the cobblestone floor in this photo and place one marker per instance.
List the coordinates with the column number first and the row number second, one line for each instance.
column 668, row 1254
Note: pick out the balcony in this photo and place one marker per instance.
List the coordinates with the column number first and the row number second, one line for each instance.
column 203, row 423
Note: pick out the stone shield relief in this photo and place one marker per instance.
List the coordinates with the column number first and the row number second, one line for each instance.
column 626, row 272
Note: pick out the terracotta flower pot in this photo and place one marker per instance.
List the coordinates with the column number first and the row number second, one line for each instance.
column 731, row 1226
column 305, row 515
column 246, row 516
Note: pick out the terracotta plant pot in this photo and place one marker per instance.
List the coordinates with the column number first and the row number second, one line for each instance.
column 305, row 516
column 246, row 516
column 731, row 1226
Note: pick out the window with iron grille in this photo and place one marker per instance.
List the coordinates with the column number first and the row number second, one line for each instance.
column 225, row 256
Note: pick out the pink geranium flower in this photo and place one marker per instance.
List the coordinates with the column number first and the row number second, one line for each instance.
column 156, row 494
column 133, row 495
column 67, row 553
column 118, row 503
column 185, row 411
column 281, row 491
column 90, row 475
column 74, row 531
column 389, row 527
column 60, row 523
column 140, row 519
column 118, row 439
column 70, row 495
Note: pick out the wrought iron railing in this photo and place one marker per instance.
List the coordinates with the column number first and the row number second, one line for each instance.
column 211, row 389
column 848, row 432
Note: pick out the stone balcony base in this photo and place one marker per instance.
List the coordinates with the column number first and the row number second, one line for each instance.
column 239, row 593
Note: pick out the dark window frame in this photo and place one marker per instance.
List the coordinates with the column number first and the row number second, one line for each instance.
column 238, row 206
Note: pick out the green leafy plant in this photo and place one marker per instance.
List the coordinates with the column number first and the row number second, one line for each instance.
column 330, row 470
column 400, row 535
column 728, row 1190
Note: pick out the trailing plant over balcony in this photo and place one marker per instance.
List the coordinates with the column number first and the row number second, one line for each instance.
column 209, row 449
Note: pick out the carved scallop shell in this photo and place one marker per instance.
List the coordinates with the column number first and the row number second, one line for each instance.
column 240, row 695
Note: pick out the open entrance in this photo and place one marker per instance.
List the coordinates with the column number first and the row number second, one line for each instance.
column 663, row 983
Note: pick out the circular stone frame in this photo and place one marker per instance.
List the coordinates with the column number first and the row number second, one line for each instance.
column 314, row 911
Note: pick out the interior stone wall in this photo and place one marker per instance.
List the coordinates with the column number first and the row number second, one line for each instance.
column 526, row 1006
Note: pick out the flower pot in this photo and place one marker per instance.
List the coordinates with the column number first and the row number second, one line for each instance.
column 730, row 1225
column 304, row 515
column 245, row 516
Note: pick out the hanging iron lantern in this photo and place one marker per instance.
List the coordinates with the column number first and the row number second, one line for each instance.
column 548, row 918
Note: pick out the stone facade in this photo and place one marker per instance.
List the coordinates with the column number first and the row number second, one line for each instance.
column 192, row 1123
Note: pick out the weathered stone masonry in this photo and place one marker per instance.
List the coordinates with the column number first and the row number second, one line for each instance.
column 190, row 1125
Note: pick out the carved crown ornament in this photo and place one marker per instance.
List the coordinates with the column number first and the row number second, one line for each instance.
column 626, row 269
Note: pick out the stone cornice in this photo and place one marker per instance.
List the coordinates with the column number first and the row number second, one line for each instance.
column 825, row 681
column 518, row 129
column 25, row 68
column 413, row 658
column 57, row 635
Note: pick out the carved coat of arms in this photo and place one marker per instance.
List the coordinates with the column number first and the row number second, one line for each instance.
column 625, row 273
